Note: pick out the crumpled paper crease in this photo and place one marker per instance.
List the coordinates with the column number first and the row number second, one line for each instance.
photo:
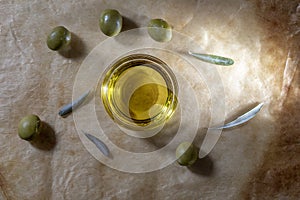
column 261, row 36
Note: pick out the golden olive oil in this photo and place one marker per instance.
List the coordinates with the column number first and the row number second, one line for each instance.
column 139, row 93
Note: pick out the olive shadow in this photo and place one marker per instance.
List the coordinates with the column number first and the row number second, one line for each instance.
column 131, row 31
column 75, row 50
column 128, row 24
column 203, row 166
column 46, row 140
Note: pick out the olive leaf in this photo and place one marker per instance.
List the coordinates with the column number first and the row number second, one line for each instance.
column 213, row 59
column 99, row 144
column 242, row 119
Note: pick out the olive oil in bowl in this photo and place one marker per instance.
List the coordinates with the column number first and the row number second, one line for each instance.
column 139, row 92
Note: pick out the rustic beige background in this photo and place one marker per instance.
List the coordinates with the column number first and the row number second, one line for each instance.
column 260, row 160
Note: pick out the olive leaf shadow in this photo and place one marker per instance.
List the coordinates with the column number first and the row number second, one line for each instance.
column 46, row 140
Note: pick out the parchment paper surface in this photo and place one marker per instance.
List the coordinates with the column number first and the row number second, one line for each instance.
column 259, row 160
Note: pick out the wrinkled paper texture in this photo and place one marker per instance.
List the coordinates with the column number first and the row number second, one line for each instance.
column 257, row 160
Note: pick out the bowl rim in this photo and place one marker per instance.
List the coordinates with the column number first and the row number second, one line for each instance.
column 126, row 62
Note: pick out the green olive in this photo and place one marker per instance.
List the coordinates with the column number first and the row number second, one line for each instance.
column 58, row 38
column 186, row 154
column 159, row 30
column 110, row 22
column 29, row 127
